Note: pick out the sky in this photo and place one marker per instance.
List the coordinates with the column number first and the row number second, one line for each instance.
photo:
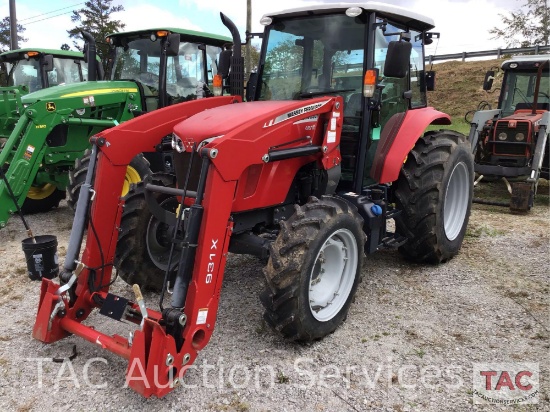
column 463, row 24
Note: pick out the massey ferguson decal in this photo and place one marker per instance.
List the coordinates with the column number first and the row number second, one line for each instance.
column 294, row 113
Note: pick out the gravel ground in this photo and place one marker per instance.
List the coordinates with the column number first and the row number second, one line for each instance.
column 409, row 343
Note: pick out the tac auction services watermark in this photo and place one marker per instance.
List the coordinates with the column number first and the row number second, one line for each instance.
column 506, row 383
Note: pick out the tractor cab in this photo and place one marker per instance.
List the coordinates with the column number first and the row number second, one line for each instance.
column 169, row 65
column 36, row 69
column 511, row 142
column 519, row 87
column 372, row 56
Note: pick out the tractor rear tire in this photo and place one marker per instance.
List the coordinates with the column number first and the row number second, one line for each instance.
column 137, row 170
column 434, row 191
column 136, row 258
column 42, row 199
column 314, row 269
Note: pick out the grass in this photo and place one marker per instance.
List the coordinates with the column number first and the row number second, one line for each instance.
column 459, row 88
column 282, row 378
column 459, row 91
column 479, row 231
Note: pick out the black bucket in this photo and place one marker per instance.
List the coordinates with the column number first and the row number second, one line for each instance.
column 41, row 257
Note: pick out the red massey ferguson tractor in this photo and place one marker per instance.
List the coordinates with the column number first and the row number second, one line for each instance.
column 305, row 175
column 511, row 142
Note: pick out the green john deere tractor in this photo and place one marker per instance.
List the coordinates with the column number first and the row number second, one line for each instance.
column 25, row 71
column 46, row 155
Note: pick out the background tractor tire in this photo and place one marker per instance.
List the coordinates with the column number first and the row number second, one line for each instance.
column 434, row 191
column 144, row 243
column 137, row 170
column 314, row 269
column 42, row 199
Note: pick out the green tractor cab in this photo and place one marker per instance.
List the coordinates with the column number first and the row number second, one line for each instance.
column 25, row 71
column 147, row 69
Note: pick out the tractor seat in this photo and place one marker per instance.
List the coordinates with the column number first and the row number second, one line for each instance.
column 353, row 106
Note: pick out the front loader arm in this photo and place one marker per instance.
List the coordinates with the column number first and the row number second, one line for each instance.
column 159, row 351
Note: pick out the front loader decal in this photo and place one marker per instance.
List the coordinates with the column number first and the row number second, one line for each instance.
column 294, row 113
column 211, row 260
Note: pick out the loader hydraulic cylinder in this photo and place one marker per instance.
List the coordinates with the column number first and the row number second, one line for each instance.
column 77, row 231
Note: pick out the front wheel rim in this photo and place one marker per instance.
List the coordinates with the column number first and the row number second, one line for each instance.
column 131, row 177
column 41, row 192
column 333, row 275
column 457, row 195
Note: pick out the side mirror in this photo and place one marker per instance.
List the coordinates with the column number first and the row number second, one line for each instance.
column 225, row 63
column 251, row 86
column 397, row 59
column 47, row 62
column 173, row 44
column 488, row 81
column 430, row 80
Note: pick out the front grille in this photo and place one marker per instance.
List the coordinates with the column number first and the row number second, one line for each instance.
column 510, row 146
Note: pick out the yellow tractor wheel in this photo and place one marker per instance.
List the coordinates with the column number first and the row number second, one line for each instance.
column 42, row 198
column 137, row 170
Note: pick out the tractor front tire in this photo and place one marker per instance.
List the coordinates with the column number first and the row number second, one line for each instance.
column 434, row 191
column 314, row 269
column 137, row 170
column 42, row 198
column 143, row 242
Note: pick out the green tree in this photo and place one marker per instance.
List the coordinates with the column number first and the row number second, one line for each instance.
column 5, row 34
column 95, row 18
column 527, row 26
column 254, row 57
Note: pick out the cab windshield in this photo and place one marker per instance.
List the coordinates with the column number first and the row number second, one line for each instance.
column 67, row 71
column 518, row 91
column 312, row 55
column 140, row 61
column 24, row 73
column 27, row 73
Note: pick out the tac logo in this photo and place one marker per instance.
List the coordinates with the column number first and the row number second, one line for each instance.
column 50, row 106
column 506, row 383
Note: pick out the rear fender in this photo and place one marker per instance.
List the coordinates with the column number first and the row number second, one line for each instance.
column 398, row 139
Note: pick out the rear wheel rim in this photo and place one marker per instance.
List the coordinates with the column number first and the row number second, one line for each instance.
column 41, row 192
column 333, row 275
column 132, row 176
column 457, row 195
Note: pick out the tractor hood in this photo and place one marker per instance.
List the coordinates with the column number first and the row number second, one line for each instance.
column 83, row 89
column 221, row 120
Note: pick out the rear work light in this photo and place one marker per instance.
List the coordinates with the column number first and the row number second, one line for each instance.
column 369, row 83
column 218, row 83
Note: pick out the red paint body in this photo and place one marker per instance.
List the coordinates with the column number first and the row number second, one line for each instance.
column 393, row 149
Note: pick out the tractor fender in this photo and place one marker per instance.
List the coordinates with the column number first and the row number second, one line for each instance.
column 399, row 136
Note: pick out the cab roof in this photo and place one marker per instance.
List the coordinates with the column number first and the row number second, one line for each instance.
column 191, row 35
column 20, row 53
column 396, row 13
column 527, row 62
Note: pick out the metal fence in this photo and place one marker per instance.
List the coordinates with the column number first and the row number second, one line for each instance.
column 497, row 52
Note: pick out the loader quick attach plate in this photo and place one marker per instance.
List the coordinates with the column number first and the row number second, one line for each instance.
column 114, row 306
